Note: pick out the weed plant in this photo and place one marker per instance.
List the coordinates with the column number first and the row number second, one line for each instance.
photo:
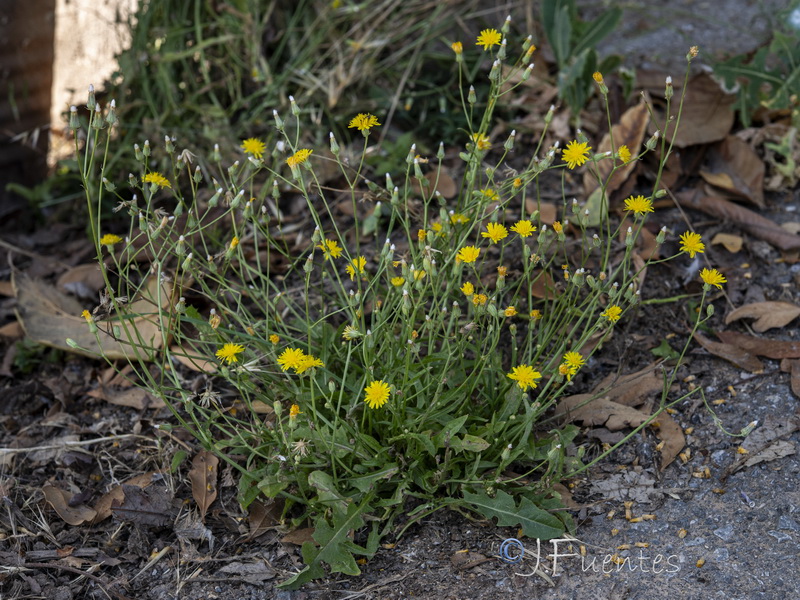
column 367, row 371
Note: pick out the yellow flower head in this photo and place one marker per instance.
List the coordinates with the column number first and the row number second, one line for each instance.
column 421, row 235
column 299, row 157
column 536, row 314
column 330, row 249
column 558, row 227
column 692, row 243
column 489, row 38
column 376, row 394
column 574, row 359
column 517, row 183
column 639, row 204
column 481, row 141
column 294, row 410
column 468, row 254
column 350, row 333
column 575, row 154
column 523, row 228
column 228, row 353
column 458, row 219
column 234, row 242
column 510, row 311
column 457, row 47
column 495, row 232
column 87, row 315
column 290, row 358
column 158, row 179
column 490, row 195
column 467, row 288
column 306, row 363
column 356, row 266
column 397, row 281
column 597, row 76
column 254, row 147
column 418, row 275
column 712, row 277
column 364, row 122
column 612, row 313
column 110, row 239
column 525, row 376
column 502, row 271
column 479, row 299
column 274, row 339
column 624, row 154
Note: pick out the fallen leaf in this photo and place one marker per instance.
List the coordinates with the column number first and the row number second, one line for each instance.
column 12, row 331
column 193, row 361
column 298, row 537
column 776, row 349
column 774, row 451
column 83, row 281
column 732, row 243
column 734, row 354
column 262, row 517
column 736, row 168
column 150, row 506
column 633, row 485
column 132, row 397
column 463, row 560
column 630, row 132
column 599, row 412
column 768, row 315
column 59, row 500
column 49, row 317
column 748, row 220
column 632, row 389
column 669, row 432
column 445, row 184
column 203, row 476
column 103, row 506
column 707, row 114
column 548, row 213
column 254, row 573
column 544, row 286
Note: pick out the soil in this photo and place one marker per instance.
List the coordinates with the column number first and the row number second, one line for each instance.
column 732, row 534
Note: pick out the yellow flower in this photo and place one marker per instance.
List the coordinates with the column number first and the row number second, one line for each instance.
column 495, row 232
column 158, row 179
column 87, row 315
column 290, row 358
column 575, row 154
column 294, row 410
column 437, row 227
column 490, row 195
column 457, row 47
column 502, row 271
column 481, row 141
column 110, row 239
column 419, row 275
column 306, row 363
column 510, row 311
column 558, row 227
column 692, row 243
column 489, row 38
column 624, row 154
column 467, row 288
column 712, row 277
column 350, row 333
column 597, row 76
column 517, row 183
column 228, row 352
column 376, row 394
column 468, row 254
column 535, row 314
column 574, row 359
column 364, row 122
column 458, row 219
column 397, row 281
column 525, row 376
column 330, row 249
column 234, row 242
column 479, row 299
column 357, row 265
column 253, row 146
column 612, row 313
column 298, row 157
column 274, row 339
column 523, row 228
column 639, row 204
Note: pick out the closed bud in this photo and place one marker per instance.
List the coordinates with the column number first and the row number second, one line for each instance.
column 526, row 74
column 440, row 151
column 278, row 120
column 214, row 200
column 412, row 154
column 334, row 144
column 501, row 54
column 215, row 155
column 110, row 187
column 111, row 117
column 650, row 144
column 91, row 103
column 389, row 182
column 97, row 121
column 198, row 174
column 295, row 109
column 668, row 92
column 629, row 237
column 710, row 307
column 146, row 148
column 169, row 145
column 472, row 98
column 494, row 74
column 187, row 262
column 506, row 26
column 237, row 199
column 509, row 145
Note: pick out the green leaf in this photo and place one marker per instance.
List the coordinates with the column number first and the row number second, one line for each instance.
column 366, row 482
column 469, row 443
column 595, row 31
column 335, row 547
column 664, row 350
column 327, row 492
column 450, row 430
column 535, row 522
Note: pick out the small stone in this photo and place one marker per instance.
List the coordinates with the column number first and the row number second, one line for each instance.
column 780, row 536
column 696, row 541
column 788, row 523
column 720, row 555
column 726, row 533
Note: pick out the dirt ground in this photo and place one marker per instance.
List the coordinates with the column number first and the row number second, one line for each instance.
column 719, row 529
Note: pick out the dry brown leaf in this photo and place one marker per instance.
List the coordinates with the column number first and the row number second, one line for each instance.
column 776, row 450
column 49, row 317
column 632, row 389
column 544, row 287
column 83, row 281
column 103, row 505
column 599, row 412
column 748, row 220
column 59, row 500
column 203, row 476
column 445, row 185
column 299, row 536
column 548, row 213
column 630, row 132
column 149, row 507
column 736, row 168
column 707, row 114
column 671, row 434
column 776, row 349
column 132, row 397
column 768, row 314
column 734, row 354
column 732, row 243
column 262, row 517
column 192, row 360
column 12, row 330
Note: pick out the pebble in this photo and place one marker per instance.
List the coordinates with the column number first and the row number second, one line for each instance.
column 780, row 536
column 696, row 541
column 720, row 555
column 788, row 523
column 726, row 534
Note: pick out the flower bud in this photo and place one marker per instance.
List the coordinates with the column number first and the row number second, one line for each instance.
column 278, row 120
column 146, row 149
column 215, row 155
column 91, row 103
column 472, row 98
column 334, row 144
column 650, row 144
column 111, row 117
column 169, row 145
column 440, row 151
column 509, row 145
